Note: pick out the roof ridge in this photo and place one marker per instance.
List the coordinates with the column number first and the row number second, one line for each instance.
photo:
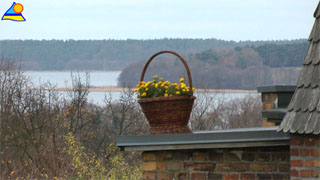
column 317, row 11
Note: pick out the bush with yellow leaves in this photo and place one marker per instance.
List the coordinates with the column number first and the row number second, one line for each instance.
column 160, row 88
column 90, row 167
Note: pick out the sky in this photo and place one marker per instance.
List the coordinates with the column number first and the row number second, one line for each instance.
column 154, row 19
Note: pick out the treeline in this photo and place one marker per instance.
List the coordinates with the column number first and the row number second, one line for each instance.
column 235, row 68
column 117, row 54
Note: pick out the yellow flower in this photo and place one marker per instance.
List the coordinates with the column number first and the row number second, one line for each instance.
column 144, row 94
column 193, row 89
column 166, row 95
column 147, row 89
column 181, row 80
column 148, row 83
column 12, row 173
column 156, row 85
column 166, row 87
column 170, row 94
column 155, row 76
column 178, row 92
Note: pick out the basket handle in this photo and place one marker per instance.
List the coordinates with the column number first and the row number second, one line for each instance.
column 181, row 59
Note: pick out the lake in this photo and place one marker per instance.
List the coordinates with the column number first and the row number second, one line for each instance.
column 99, row 78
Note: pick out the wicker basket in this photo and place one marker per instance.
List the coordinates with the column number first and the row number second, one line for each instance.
column 168, row 115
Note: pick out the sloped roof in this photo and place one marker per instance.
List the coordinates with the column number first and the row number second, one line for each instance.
column 303, row 114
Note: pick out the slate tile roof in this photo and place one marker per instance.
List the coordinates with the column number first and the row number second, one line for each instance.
column 303, row 114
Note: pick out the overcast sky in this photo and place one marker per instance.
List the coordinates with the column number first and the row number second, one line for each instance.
column 150, row 19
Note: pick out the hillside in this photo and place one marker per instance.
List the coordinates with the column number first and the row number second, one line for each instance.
column 243, row 67
column 117, row 54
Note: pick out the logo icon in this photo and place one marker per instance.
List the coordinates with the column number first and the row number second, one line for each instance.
column 14, row 13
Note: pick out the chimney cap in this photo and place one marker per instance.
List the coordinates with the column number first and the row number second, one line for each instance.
column 277, row 89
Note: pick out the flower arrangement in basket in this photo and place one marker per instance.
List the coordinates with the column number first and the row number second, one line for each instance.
column 167, row 106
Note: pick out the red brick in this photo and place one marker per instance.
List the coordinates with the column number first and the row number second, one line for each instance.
column 233, row 176
column 263, row 167
column 149, row 156
column 304, row 173
column 247, row 176
column 280, row 157
column 294, row 152
column 296, row 163
column 198, row 176
column 280, row 176
column 314, row 152
column 284, row 167
column 247, row 156
column 165, row 155
column 294, row 173
column 263, row 157
column 296, row 141
column 165, row 176
column 183, row 176
column 309, row 141
column 161, row 166
column 314, row 173
column 238, row 167
column 199, row 156
column 148, row 166
column 264, row 176
column 317, row 142
column 174, row 165
column 215, row 156
column 149, row 175
column 316, row 163
column 231, row 157
column 304, row 152
column 214, row 176
column 195, row 166
column 309, row 163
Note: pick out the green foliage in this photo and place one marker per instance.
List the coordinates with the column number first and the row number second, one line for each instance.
column 90, row 167
column 282, row 55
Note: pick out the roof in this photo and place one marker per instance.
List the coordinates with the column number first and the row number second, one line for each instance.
column 303, row 114
column 233, row 138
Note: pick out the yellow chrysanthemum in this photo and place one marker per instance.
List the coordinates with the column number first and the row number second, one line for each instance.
column 181, row 79
column 143, row 94
column 166, row 95
column 178, row 92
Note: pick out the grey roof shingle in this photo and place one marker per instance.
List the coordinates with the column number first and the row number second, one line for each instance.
column 303, row 114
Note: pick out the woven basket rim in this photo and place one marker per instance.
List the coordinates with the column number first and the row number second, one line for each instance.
column 170, row 98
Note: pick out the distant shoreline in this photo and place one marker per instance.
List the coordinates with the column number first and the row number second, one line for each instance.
column 120, row 89
column 71, row 71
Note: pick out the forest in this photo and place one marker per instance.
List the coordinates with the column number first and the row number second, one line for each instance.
column 245, row 67
column 118, row 54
